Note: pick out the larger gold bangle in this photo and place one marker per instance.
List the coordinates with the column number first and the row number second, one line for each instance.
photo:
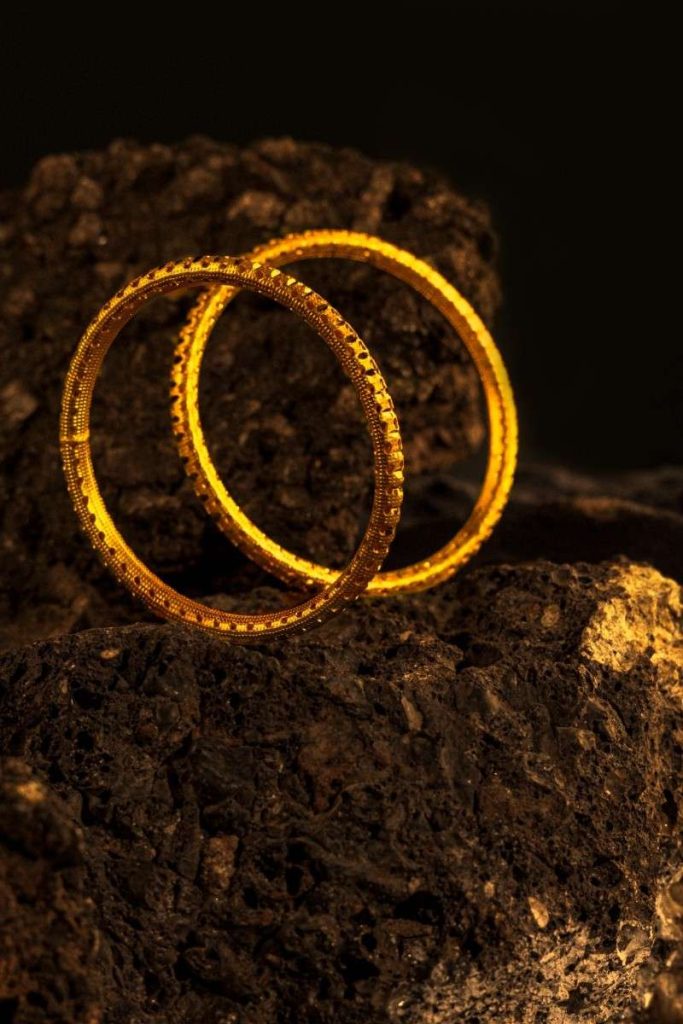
column 356, row 363
column 502, row 419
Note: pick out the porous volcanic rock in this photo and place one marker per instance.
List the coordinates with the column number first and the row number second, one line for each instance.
column 459, row 806
column 88, row 222
column 49, row 942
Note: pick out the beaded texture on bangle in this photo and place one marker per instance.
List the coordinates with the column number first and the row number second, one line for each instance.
column 502, row 417
column 356, row 361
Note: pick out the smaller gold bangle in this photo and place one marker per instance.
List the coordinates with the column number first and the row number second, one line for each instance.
column 502, row 417
column 356, row 362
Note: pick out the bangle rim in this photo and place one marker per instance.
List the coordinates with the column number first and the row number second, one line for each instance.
column 357, row 363
column 459, row 314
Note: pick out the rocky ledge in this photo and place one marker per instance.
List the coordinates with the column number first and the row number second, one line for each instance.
column 459, row 806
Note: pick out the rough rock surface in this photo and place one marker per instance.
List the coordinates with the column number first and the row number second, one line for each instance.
column 49, row 942
column 86, row 223
column 461, row 806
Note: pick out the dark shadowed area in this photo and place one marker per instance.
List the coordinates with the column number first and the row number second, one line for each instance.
column 558, row 115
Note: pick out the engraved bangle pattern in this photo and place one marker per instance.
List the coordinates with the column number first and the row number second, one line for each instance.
column 357, row 363
column 502, row 419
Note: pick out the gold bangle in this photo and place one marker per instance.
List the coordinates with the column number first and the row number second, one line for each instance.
column 356, row 362
column 502, row 419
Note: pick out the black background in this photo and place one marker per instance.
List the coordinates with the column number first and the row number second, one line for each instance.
column 563, row 117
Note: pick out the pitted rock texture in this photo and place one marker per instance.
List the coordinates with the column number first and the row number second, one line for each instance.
column 85, row 224
column 50, row 965
column 664, row 1000
column 459, row 806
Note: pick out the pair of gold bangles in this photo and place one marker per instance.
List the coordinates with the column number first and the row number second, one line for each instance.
column 222, row 277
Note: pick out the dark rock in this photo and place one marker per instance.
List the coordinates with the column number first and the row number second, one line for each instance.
column 459, row 806
column 50, row 967
column 85, row 224
column 560, row 515
column 664, row 1002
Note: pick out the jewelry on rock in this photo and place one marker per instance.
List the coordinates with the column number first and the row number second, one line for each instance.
column 502, row 418
column 338, row 589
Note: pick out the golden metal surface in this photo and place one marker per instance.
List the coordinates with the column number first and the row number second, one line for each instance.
column 502, row 418
column 356, row 362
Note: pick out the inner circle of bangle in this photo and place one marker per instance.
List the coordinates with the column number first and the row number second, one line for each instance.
column 356, row 362
column 501, row 413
